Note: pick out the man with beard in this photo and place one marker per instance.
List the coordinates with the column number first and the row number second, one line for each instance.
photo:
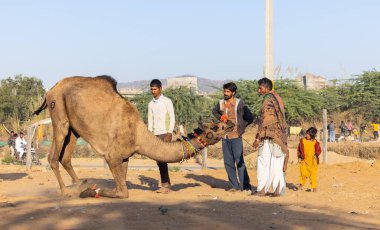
column 236, row 111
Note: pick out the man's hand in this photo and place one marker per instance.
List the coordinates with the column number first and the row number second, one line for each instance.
column 284, row 168
column 256, row 143
column 224, row 118
column 168, row 137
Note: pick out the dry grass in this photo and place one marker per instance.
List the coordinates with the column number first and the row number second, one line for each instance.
column 366, row 150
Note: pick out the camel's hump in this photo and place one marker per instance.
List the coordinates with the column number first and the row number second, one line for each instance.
column 101, row 79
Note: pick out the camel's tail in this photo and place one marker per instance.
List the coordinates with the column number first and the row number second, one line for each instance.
column 41, row 108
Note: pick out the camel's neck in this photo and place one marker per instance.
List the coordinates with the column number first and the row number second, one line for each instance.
column 156, row 149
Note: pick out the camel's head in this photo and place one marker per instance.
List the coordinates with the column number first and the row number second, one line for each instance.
column 212, row 132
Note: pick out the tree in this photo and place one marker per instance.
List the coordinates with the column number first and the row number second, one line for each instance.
column 363, row 96
column 188, row 105
column 300, row 104
column 19, row 96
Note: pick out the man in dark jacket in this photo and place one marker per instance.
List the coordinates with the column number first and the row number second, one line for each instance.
column 234, row 110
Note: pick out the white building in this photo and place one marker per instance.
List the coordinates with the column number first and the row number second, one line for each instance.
column 310, row 81
column 185, row 80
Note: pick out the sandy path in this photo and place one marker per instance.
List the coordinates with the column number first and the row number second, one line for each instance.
column 347, row 198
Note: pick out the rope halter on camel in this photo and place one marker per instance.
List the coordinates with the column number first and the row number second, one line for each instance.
column 188, row 146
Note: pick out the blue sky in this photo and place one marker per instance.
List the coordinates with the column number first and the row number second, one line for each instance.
column 215, row 39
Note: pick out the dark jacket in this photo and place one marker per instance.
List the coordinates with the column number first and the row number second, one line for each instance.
column 243, row 114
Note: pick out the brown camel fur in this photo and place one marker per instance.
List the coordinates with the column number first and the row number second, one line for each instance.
column 92, row 108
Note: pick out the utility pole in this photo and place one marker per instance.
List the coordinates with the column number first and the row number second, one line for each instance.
column 324, row 137
column 268, row 72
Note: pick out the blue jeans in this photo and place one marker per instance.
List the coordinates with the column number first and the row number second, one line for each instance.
column 332, row 136
column 233, row 154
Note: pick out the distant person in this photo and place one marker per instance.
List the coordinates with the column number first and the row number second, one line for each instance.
column 349, row 127
column 343, row 128
column 308, row 153
column 375, row 130
column 272, row 140
column 11, row 141
column 234, row 110
column 161, row 120
column 20, row 145
column 362, row 130
column 331, row 131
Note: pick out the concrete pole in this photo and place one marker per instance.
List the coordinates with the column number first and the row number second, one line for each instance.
column 268, row 72
column 324, row 139
column 204, row 158
column 29, row 140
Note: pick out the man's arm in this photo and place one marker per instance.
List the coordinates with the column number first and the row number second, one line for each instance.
column 216, row 111
column 285, row 162
column 247, row 115
column 150, row 118
column 7, row 130
column 170, row 109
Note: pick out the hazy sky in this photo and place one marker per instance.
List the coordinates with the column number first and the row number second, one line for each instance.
column 215, row 39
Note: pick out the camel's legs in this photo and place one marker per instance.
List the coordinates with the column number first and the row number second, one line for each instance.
column 65, row 157
column 119, row 175
column 125, row 168
column 59, row 133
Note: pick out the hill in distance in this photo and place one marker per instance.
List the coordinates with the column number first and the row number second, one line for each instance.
column 205, row 86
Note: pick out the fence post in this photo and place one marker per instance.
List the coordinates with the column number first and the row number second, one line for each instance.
column 204, row 158
column 29, row 147
column 324, row 136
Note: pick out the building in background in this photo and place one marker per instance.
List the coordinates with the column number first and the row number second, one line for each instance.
column 189, row 81
column 310, row 81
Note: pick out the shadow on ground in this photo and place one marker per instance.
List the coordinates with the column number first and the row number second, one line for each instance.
column 210, row 181
column 146, row 184
column 207, row 214
column 12, row 176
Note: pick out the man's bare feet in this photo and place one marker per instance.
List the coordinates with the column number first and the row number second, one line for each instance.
column 314, row 190
column 258, row 193
column 163, row 190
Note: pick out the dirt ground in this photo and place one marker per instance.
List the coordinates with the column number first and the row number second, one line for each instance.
column 348, row 197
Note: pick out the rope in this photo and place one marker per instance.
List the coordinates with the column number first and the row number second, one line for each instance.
column 187, row 144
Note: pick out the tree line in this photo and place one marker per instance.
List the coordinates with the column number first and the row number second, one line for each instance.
column 21, row 95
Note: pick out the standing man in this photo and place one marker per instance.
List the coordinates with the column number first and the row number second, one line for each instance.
column 331, row 129
column 236, row 111
column 375, row 126
column 161, row 122
column 11, row 141
column 272, row 137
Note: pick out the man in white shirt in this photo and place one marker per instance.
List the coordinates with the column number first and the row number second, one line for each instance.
column 161, row 122
column 20, row 145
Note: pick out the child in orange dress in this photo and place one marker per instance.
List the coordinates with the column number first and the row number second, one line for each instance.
column 308, row 152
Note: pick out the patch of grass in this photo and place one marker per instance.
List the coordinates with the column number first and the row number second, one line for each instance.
column 174, row 168
column 369, row 150
column 7, row 160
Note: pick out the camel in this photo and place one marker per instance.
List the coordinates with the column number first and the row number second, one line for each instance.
column 91, row 108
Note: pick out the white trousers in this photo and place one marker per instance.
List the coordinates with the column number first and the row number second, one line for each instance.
column 270, row 167
column 20, row 151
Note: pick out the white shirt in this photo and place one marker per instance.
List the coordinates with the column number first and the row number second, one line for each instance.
column 161, row 117
column 20, row 143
